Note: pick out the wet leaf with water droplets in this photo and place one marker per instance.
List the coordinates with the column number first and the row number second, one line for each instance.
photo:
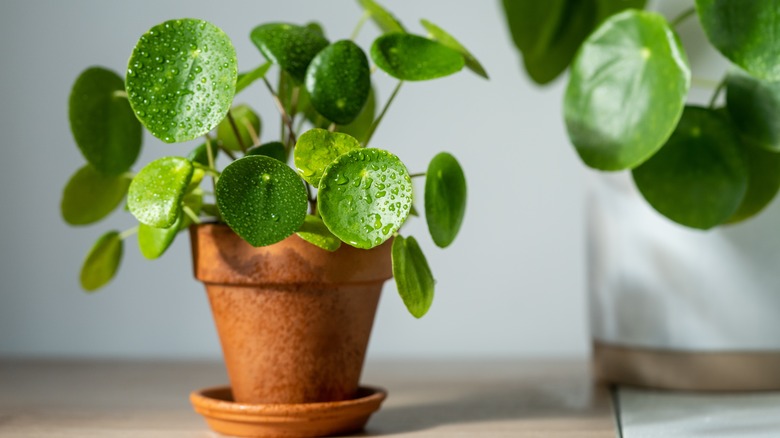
column 338, row 81
column 415, row 58
column 315, row 232
column 155, row 194
column 317, row 148
column 245, row 120
column 445, row 198
column 102, row 262
column 448, row 40
column 412, row 275
column 90, row 196
column 289, row 46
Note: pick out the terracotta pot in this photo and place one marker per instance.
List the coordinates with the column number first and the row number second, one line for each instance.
column 293, row 320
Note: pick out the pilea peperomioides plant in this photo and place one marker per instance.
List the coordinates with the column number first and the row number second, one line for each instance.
column 180, row 84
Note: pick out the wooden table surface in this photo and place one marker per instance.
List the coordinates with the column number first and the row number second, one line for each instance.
column 87, row 399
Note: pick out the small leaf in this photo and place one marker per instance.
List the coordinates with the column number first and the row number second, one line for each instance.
column 412, row 276
column 153, row 242
column 90, row 196
column 272, row 149
column 248, row 78
column 102, row 262
column 289, row 46
column 316, row 149
column 338, row 81
column 103, row 124
column 360, row 126
column 414, row 58
column 699, row 177
column 445, row 198
column 743, row 31
column 448, row 40
column 753, row 105
column 261, row 199
column 365, row 196
column 181, row 79
column 247, row 122
column 200, row 154
column 626, row 91
column 382, row 17
column 315, row 232
column 155, row 194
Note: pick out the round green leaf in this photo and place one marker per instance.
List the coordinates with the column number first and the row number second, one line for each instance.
column 754, row 106
column 261, row 199
column 763, row 181
column 445, row 198
column 362, row 124
column 338, row 81
column 289, row 46
column 153, row 242
column 382, row 17
column 744, row 32
column 155, row 194
column 200, row 154
column 412, row 276
column 448, row 40
column 102, row 262
column 181, row 79
column 247, row 122
column 273, row 149
column 626, row 91
column 365, row 196
column 90, row 195
column 414, row 58
column 317, row 148
column 699, row 177
column 102, row 122
column 315, row 232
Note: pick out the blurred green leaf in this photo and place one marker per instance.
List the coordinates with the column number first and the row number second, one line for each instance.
column 415, row 58
column 448, row 40
column 316, row 149
column 445, row 198
column 155, row 194
column 200, row 154
column 272, row 149
column 102, row 262
column 382, row 17
column 315, row 232
column 754, row 106
column 246, row 119
column 248, row 78
column 289, row 46
column 90, row 195
column 338, row 81
column 153, row 242
column 412, row 276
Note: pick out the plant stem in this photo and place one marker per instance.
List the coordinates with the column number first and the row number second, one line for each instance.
column 312, row 201
column 684, row 15
column 127, row 233
column 209, row 170
column 252, row 133
column 188, row 211
column 210, row 156
column 285, row 117
column 372, row 129
column 235, row 131
column 416, row 175
column 716, row 93
column 704, row 83
column 120, row 93
column 332, row 127
column 359, row 25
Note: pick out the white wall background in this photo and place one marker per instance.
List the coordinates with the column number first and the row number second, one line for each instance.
column 512, row 285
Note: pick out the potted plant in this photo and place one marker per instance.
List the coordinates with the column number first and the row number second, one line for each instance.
column 293, row 259
column 672, row 306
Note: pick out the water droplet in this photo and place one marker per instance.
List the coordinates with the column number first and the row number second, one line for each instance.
column 275, row 217
column 386, row 229
column 369, row 182
column 381, row 194
column 341, row 179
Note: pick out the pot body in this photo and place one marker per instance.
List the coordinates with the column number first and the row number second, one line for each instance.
column 293, row 320
column 673, row 307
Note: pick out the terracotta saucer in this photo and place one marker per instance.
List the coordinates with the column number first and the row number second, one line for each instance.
column 227, row 417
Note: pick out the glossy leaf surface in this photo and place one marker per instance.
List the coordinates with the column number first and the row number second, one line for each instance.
column 365, row 196
column 414, row 58
column 412, row 275
column 627, row 91
column 445, row 198
column 315, row 232
column 273, row 149
column 699, row 177
column 261, row 199
column 440, row 35
column 102, row 122
column 155, row 194
column 153, row 242
column 102, row 262
column 338, row 81
column 247, row 122
column 248, row 78
column 317, row 148
column 181, row 79
column 763, row 182
column 90, row 195
column 382, row 17
column 754, row 107
column 289, row 46
column 360, row 126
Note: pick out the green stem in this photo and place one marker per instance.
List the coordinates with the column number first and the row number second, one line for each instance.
column 120, row 93
column 209, row 170
column 128, row 175
column 683, row 16
column 416, row 175
column 372, row 129
column 285, row 117
column 188, row 211
column 127, row 233
column 704, row 82
column 716, row 93
column 210, row 156
column 236, row 132
column 359, row 25
column 312, row 201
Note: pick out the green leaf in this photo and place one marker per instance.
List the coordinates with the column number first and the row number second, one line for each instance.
column 200, row 154
column 445, row 198
column 744, row 32
column 248, row 78
column 261, row 199
column 626, row 91
column 382, row 17
column 155, row 194
column 699, row 177
column 763, row 168
column 247, row 122
column 362, row 124
column 90, row 195
column 338, row 81
column 414, row 58
column 315, row 232
column 102, row 122
column 316, row 149
column 289, row 46
column 181, row 79
column 448, row 40
column 365, row 196
column 153, row 242
column 102, row 262
column 273, row 149
column 754, row 106
column 317, row 28
column 412, row 276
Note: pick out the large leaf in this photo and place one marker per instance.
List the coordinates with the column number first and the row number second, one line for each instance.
column 362, row 124
column 440, row 35
column 102, row 262
column 90, row 195
column 317, row 148
column 155, row 194
column 247, row 122
column 365, row 196
column 699, row 177
column 412, row 276
column 745, row 32
column 627, row 91
column 414, row 58
column 102, row 122
column 289, row 46
column 445, row 198
column 181, row 79
column 754, row 106
column 315, row 232
column 338, row 81
column 261, row 199
column 382, row 17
